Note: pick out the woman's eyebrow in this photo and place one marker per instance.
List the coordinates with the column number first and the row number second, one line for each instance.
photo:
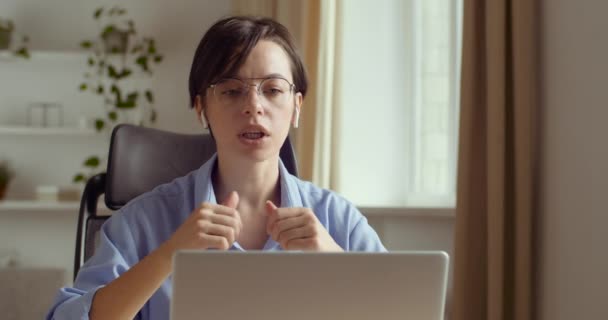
column 271, row 75
column 275, row 75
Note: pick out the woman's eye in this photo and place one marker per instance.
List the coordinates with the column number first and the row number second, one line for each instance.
column 273, row 91
column 232, row 92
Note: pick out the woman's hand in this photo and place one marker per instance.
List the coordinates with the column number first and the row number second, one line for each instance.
column 298, row 229
column 210, row 226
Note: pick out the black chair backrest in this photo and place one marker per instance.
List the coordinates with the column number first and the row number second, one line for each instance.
column 140, row 159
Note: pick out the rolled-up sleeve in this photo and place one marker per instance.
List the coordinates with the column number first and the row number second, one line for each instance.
column 363, row 237
column 115, row 254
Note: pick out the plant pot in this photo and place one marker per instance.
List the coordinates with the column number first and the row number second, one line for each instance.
column 3, row 191
column 116, row 41
column 5, row 38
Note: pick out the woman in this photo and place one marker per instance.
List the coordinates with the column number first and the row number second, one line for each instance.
column 247, row 84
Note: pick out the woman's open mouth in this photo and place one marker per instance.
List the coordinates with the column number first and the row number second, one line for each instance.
column 253, row 135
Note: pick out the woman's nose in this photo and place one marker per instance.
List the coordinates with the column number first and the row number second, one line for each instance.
column 253, row 101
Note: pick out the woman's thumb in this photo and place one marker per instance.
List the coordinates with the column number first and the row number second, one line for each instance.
column 270, row 207
column 232, row 200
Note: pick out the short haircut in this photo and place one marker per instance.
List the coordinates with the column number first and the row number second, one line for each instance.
column 226, row 45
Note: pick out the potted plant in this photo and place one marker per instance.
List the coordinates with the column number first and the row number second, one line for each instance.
column 7, row 27
column 6, row 175
column 117, row 58
column 6, row 33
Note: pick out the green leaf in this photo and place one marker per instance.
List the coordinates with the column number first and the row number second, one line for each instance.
column 129, row 104
column 92, row 162
column 112, row 73
column 100, row 89
column 97, row 13
column 132, row 96
column 143, row 62
column 125, row 73
column 83, row 86
column 113, row 115
column 158, row 58
column 86, row 44
column 23, row 52
column 99, row 124
column 78, row 178
column 91, row 61
column 149, row 96
column 107, row 30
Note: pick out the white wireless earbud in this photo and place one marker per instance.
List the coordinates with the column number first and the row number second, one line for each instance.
column 198, row 104
column 296, row 119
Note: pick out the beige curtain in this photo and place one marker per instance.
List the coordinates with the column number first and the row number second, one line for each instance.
column 319, row 140
column 314, row 24
column 496, row 200
column 292, row 14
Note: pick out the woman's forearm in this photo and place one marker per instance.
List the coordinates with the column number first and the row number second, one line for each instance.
column 126, row 295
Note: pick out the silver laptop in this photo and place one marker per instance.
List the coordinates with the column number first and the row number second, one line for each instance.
column 301, row 285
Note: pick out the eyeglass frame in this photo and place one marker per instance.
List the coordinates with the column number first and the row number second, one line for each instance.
column 292, row 86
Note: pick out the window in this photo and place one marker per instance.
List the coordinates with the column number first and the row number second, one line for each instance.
column 398, row 87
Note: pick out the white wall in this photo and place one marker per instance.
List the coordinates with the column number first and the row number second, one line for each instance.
column 60, row 25
column 573, row 258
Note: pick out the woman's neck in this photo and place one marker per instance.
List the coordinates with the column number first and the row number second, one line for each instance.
column 255, row 182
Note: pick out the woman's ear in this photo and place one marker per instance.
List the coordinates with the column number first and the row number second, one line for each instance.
column 296, row 113
column 200, row 111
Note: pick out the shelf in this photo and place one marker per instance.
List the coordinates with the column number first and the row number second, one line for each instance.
column 60, row 131
column 46, row 206
column 7, row 55
column 32, row 205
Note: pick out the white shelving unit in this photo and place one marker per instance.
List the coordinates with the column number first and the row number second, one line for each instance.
column 29, row 206
column 51, row 155
column 24, row 130
column 32, row 205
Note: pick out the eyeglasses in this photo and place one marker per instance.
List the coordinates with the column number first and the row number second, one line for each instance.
column 272, row 91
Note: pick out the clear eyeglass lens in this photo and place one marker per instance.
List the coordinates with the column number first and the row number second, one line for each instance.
column 274, row 91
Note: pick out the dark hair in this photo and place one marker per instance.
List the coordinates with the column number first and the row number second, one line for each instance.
column 226, row 45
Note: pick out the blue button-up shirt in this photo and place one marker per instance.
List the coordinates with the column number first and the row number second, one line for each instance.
column 145, row 223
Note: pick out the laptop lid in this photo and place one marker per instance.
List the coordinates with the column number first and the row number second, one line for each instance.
column 303, row 285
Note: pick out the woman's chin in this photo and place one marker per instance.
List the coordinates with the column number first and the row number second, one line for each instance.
column 257, row 151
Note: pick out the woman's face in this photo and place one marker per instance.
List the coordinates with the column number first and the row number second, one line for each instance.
column 247, row 124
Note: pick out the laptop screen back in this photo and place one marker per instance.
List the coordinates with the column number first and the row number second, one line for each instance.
column 296, row 285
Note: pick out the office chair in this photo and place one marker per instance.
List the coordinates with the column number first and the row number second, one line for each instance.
column 140, row 159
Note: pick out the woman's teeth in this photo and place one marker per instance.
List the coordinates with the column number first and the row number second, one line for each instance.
column 253, row 135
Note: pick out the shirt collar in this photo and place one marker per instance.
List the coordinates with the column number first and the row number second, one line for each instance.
column 203, row 188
